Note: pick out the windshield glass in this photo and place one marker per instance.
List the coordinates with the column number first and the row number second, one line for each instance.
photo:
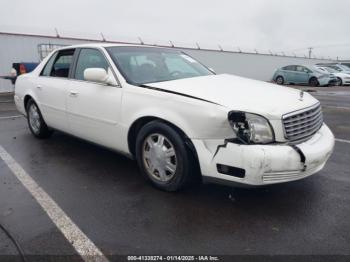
column 318, row 70
column 344, row 67
column 330, row 70
column 142, row 65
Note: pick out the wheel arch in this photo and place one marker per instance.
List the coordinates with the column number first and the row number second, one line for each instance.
column 26, row 99
column 142, row 121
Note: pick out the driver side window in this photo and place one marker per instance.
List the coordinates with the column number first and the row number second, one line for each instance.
column 89, row 58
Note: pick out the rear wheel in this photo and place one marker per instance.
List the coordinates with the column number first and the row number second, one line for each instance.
column 339, row 82
column 280, row 80
column 36, row 122
column 163, row 157
column 313, row 82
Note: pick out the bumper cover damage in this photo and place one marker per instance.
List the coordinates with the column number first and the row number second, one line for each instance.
column 265, row 164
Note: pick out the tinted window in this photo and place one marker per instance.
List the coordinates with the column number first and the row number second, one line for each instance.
column 89, row 58
column 302, row 69
column 48, row 67
column 142, row 65
column 62, row 63
column 289, row 68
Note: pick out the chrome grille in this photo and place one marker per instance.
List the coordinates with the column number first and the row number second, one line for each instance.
column 302, row 124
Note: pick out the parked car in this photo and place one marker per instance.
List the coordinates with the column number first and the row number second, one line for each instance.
column 176, row 117
column 343, row 78
column 302, row 74
column 340, row 68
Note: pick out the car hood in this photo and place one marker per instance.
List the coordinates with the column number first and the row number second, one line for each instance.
column 243, row 94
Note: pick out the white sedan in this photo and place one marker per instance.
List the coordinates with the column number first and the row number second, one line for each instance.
column 176, row 117
column 343, row 78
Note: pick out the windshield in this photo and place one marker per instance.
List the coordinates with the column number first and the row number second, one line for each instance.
column 330, row 70
column 344, row 67
column 318, row 70
column 142, row 65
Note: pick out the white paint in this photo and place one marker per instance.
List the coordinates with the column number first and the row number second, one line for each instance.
column 82, row 244
column 10, row 117
column 342, row 140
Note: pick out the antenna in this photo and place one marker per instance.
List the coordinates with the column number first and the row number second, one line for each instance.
column 171, row 43
column 198, row 46
column 220, row 48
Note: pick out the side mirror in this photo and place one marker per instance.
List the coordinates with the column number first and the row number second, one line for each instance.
column 99, row 75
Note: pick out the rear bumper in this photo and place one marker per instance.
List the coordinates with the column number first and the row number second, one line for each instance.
column 265, row 164
column 324, row 81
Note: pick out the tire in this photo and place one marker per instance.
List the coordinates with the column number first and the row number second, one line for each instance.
column 36, row 122
column 340, row 82
column 313, row 82
column 163, row 157
column 280, row 80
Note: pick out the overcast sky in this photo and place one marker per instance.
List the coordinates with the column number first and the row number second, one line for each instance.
column 277, row 25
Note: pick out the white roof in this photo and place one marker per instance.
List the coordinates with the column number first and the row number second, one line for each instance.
column 104, row 45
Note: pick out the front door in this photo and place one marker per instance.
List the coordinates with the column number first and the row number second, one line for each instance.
column 94, row 109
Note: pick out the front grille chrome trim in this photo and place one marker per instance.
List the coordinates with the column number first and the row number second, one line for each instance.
column 302, row 124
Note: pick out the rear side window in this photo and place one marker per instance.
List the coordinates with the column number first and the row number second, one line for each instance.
column 89, row 58
column 289, row 68
column 62, row 64
column 48, row 67
column 59, row 64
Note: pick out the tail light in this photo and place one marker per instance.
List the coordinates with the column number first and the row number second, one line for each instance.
column 22, row 69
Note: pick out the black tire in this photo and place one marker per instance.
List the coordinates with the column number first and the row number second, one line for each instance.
column 340, row 82
column 280, row 80
column 186, row 168
column 313, row 82
column 40, row 131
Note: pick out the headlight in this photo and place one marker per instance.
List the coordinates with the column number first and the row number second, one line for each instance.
column 251, row 128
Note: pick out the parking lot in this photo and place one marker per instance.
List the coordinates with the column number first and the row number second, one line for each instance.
column 104, row 196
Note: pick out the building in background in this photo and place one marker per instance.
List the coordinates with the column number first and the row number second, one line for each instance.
column 29, row 48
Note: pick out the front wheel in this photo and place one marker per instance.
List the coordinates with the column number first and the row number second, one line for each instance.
column 36, row 122
column 280, row 80
column 163, row 157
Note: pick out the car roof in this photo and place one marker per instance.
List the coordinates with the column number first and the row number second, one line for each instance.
column 96, row 45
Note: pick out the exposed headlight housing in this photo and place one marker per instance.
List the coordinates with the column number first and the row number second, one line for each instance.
column 251, row 128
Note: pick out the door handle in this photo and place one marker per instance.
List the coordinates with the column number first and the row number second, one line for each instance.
column 39, row 87
column 73, row 93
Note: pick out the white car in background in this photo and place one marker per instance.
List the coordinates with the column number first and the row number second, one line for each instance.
column 175, row 116
column 343, row 78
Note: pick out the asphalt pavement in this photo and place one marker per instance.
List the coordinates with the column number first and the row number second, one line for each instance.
column 106, row 198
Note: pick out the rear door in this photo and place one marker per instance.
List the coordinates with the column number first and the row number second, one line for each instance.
column 94, row 108
column 302, row 75
column 51, row 89
column 289, row 72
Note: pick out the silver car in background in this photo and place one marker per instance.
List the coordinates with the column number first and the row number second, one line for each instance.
column 303, row 74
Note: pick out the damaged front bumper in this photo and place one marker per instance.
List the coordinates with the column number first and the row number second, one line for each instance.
column 264, row 164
